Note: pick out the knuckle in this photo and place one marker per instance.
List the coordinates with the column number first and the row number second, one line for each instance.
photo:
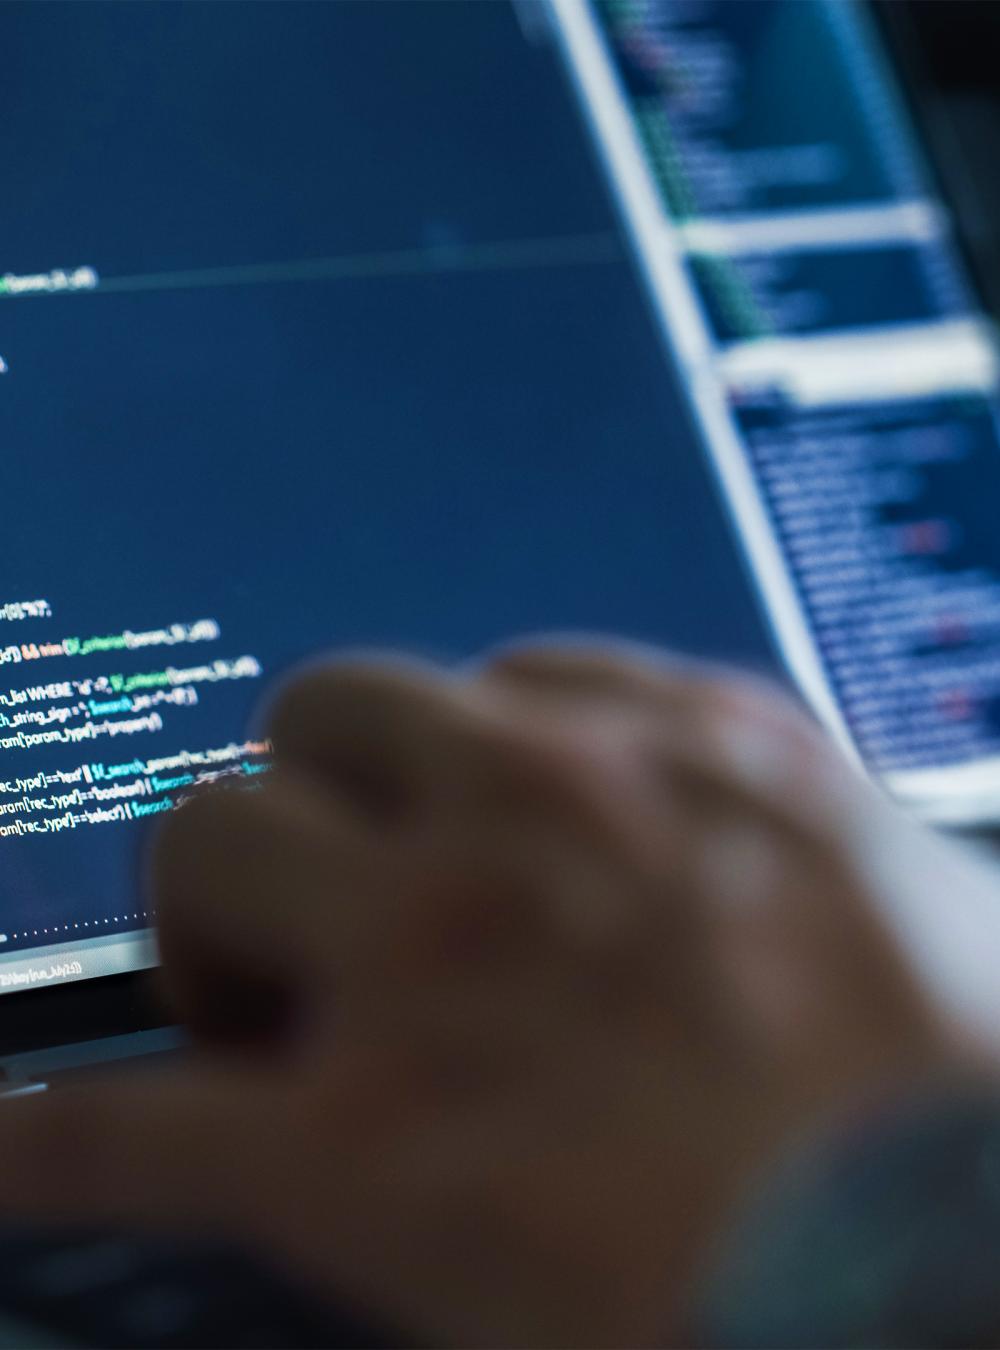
column 765, row 701
column 293, row 707
column 740, row 712
column 327, row 686
column 573, row 665
column 195, row 847
column 201, row 818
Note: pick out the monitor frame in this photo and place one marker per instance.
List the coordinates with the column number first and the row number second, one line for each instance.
column 81, row 1010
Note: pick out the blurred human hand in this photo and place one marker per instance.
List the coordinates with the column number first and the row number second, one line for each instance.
column 507, row 982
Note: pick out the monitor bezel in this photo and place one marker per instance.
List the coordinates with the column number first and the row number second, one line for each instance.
column 81, row 1010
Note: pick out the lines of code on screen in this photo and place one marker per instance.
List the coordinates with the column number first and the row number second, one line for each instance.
column 92, row 734
column 851, row 368
column 298, row 355
column 101, row 712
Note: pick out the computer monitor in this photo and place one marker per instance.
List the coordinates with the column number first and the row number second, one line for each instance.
column 319, row 332
column 841, row 373
column 321, row 329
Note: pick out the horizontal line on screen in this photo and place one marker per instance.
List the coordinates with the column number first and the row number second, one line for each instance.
column 500, row 255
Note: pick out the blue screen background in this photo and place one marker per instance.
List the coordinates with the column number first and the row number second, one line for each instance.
column 430, row 459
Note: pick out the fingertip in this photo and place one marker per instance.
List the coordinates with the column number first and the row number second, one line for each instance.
column 338, row 686
column 191, row 835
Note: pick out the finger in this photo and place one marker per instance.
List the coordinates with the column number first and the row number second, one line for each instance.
column 598, row 666
column 390, row 736
column 768, row 809
column 259, row 894
column 410, row 744
column 273, row 905
column 455, row 748
column 193, row 1150
column 665, row 682
column 731, row 741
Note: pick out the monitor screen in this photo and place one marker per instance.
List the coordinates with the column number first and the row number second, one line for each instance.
column 323, row 327
column 840, row 369
column 319, row 330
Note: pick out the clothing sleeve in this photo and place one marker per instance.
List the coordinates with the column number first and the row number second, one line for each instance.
column 887, row 1234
